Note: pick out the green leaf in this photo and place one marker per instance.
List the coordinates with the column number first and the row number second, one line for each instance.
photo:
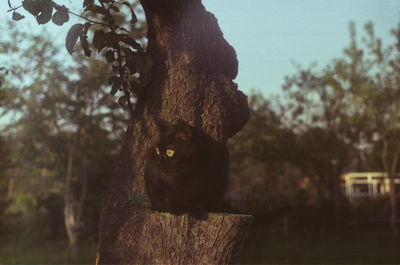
column 112, row 79
column 85, row 45
column 99, row 39
column 131, row 64
column 144, row 80
column 110, row 56
column 86, row 27
column 99, row 9
column 123, row 100
column 143, row 63
column 117, row 83
column 134, row 18
column 17, row 16
column 127, row 52
column 87, row 3
column 113, row 91
column 32, row 6
column 113, row 39
column 46, row 12
column 130, row 41
column 60, row 16
column 116, row 9
column 72, row 36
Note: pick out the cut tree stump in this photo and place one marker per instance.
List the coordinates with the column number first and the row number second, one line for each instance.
column 162, row 238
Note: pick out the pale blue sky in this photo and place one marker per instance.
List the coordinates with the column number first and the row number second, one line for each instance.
column 269, row 34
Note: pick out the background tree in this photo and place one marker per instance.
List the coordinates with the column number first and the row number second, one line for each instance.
column 63, row 128
column 262, row 173
column 5, row 182
column 355, row 98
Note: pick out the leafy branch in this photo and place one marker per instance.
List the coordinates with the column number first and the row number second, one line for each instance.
column 128, row 58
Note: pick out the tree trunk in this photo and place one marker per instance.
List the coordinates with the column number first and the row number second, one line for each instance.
column 193, row 68
column 10, row 189
column 391, row 172
column 393, row 206
column 69, row 215
column 82, row 199
column 171, row 239
column 393, row 192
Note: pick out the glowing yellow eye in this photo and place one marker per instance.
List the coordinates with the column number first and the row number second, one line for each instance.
column 157, row 151
column 170, row 152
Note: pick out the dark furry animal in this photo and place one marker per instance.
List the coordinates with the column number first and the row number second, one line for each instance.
column 187, row 171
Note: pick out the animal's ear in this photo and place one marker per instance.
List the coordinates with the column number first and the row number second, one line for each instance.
column 181, row 124
column 162, row 125
column 183, row 130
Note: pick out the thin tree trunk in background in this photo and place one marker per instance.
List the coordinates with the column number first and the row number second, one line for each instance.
column 10, row 189
column 391, row 172
column 393, row 192
column 192, row 73
column 83, row 193
column 319, row 185
column 69, row 215
column 393, row 207
column 72, row 215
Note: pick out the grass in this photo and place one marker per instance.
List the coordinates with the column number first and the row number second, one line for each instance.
column 353, row 244
column 45, row 251
column 310, row 238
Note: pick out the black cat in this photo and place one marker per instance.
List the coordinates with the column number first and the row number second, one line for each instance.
column 187, row 171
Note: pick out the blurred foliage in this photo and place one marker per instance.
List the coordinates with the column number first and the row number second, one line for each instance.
column 49, row 101
column 355, row 97
column 4, row 180
column 261, row 155
column 111, row 28
column 332, row 120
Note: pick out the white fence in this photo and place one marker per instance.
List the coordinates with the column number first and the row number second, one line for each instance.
column 367, row 185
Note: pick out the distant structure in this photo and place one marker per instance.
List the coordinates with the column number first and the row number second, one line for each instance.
column 367, row 185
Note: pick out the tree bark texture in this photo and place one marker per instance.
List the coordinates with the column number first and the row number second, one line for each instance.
column 193, row 68
column 170, row 239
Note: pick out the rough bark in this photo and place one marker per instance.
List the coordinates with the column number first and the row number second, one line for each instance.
column 193, row 68
column 169, row 239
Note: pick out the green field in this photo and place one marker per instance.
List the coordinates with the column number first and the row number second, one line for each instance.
column 319, row 244
column 311, row 243
column 45, row 251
